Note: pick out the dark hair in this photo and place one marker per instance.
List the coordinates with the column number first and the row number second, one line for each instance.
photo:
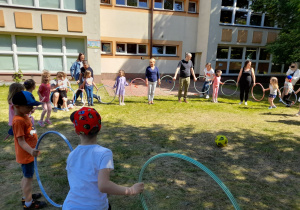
column 246, row 63
column 29, row 84
column 80, row 54
column 94, row 132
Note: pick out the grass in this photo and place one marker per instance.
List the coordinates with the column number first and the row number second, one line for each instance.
column 260, row 165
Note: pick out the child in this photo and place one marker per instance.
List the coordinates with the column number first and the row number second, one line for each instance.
column 88, row 84
column 25, row 142
column 44, row 94
column 13, row 89
column 209, row 75
column 273, row 87
column 29, row 85
column 216, row 84
column 62, row 89
column 120, row 85
column 287, row 91
column 89, row 166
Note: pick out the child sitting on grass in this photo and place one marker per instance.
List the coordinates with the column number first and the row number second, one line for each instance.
column 89, row 166
column 25, row 142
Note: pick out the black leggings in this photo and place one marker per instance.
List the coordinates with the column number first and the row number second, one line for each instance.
column 287, row 100
column 244, row 90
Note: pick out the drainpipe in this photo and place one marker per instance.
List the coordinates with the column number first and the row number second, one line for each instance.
column 151, row 28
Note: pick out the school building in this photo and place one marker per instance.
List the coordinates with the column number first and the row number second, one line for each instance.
column 124, row 34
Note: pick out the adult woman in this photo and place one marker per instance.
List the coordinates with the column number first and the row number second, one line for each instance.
column 245, row 78
column 152, row 76
column 75, row 72
column 294, row 72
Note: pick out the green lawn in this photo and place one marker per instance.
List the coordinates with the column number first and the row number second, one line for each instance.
column 260, row 165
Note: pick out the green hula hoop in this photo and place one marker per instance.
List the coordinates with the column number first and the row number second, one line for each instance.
column 196, row 163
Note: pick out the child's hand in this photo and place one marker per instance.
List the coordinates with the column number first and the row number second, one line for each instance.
column 35, row 152
column 136, row 188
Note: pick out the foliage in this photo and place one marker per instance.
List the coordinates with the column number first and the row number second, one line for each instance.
column 18, row 76
column 286, row 13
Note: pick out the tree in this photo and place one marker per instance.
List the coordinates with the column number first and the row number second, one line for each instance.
column 286, row 13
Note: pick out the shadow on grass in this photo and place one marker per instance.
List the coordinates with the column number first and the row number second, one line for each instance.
column 287, row 122
column 258, row 169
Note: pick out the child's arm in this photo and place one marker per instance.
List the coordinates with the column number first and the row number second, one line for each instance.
column 109, row 187
column 83, row 85
column 297, row 91
column 279, row 92
column 34, row 152
column 267, row 89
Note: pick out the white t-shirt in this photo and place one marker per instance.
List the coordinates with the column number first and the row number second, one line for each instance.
column 209, row 75
column 83, row 166
column 273, row 91
column 89, row 81
column 296, row 75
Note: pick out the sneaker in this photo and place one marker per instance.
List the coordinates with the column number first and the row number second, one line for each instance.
column 246, row 103
column 54, row 109
column 298, row 114
column 201, row 96
column 41, row 123
column 34, row 197
column 66, row 109
column 99, row 99
column 48, row 122
column 92, row 104
column 36, row 205
column 274, row 106
column 207, row 96
column 240, row 103
column 270, row 107
column 124, row 104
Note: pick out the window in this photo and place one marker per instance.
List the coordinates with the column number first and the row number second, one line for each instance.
column 178, row 6
column 175, row 5
column 133, row 3
column 131, row 49
column 158, row 4
column 164, row 50
column 238, row 12
column 36, row 53
column 232, row 58
column 105, row 1
column 73, row 5
column 106, row 47
column 168, row 4
column 192, row 7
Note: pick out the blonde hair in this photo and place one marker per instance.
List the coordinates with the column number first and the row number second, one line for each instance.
column 123, row 72
column 45, row 73
column 152, row 59
column 13, row 89
column 274, row 82
column 87, row 73
column 218, row 73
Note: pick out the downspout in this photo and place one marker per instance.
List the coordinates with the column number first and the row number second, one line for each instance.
column 151, row 28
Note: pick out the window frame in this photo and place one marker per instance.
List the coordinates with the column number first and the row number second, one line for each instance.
column 192, row 2
column 36, row 5
column 234, row 9
column 163, row 6
column 164, row 50
column 110, row 44
column 126, row 53
column 40, row 53
column 138, row 4
column 257, row 61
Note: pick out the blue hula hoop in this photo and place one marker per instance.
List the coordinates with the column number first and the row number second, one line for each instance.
column 36, row 166
column 74, row 97
column 194, row 162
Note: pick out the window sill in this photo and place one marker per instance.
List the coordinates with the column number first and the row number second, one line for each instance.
column 248, row 26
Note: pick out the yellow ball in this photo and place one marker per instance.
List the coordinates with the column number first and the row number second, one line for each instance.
column 221, row 141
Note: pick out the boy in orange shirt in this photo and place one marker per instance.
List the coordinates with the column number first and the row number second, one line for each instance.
column 25, row 142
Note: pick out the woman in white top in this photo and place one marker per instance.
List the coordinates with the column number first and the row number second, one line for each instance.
column 294, row 72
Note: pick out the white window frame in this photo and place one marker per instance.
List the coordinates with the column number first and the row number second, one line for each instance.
column 138, row 3
column 235, row 9
column 243, row 60
column 36, row 6
column 164, row 50
column 40, row 54
column 192, row 2
column 163, row 6
column 126, row 53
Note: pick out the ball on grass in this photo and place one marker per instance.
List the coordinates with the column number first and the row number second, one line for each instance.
column 221, row 141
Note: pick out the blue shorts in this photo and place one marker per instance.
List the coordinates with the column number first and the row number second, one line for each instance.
column 28, row 169
column 272, row 96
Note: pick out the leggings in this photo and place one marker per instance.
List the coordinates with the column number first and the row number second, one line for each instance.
column 46, row 109
column 151, row 90
column 215, row 92
column 244, row 90
column 286, row 99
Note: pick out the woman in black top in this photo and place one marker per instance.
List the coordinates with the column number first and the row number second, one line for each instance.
column 244, row 79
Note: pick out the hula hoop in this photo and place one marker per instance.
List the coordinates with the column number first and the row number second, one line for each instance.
column 194, row 162
column 253, row 94
column 236, row 87
column 101, row 97
column 58, row 88
column 161, row 81
column 131, row 84
column 203, row 79
column 36, row 166
column 84, row 99
column 280, row 99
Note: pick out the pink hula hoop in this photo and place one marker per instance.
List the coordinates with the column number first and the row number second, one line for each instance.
column 144, row 93
column 262, row 90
